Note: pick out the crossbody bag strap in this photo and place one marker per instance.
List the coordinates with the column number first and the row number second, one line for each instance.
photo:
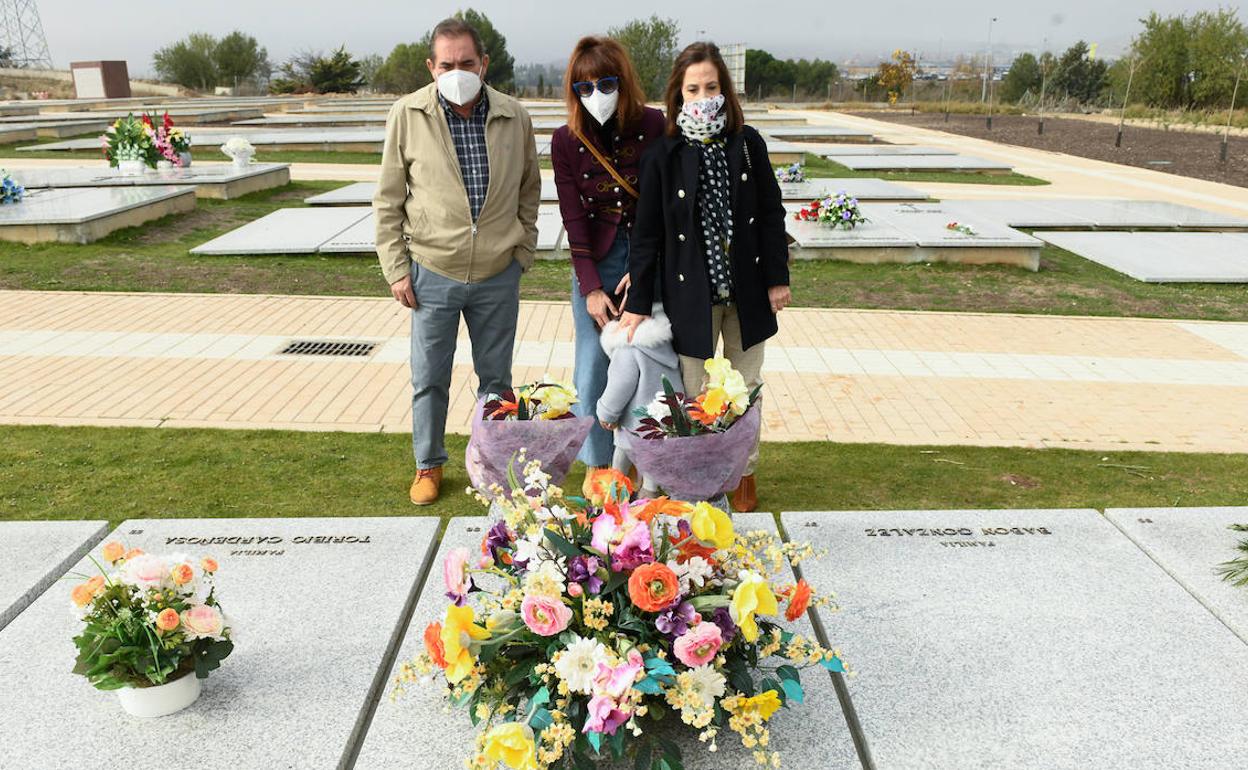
column 607, row 164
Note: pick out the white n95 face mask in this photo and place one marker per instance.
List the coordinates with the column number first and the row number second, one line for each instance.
column 459, row 86
column 600, row 105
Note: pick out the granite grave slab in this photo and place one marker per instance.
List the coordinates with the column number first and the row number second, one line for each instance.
column 413, row 725
column 361, row 237
column 887, row 149
column 361, row 194
column 1189, row 544
column 1024, row 639
column 286, row 231
column 1099, row 214
column 318, row 606
column 816, row 133
column 1162, row 257
column 34, row 554
column 923, row 163
column 82, row 215
column 862, row 188
column 927, row 223
column 221, row 181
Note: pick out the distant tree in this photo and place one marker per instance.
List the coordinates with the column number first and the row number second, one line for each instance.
column 1023, row 78
column 1217, row 46
column 1162, row 68
column 896, row 76
column 404, row 70
column 814, row 76
column 6, row 57
column 1078, row 75
column 502, row 70
column 651, row 43
column 293, row 74
column 239, row 58
column 369, row 65
column 190, row 62
column 338, row 73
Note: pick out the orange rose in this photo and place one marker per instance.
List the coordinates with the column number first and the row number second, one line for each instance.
column 433, row 645
column 208, row 564
column 799, row 600
column 653, row 587
column 609, row 485
column 182, row 574
column 168, row 619
column 133, row 552
column 82, row 594
column 113, row 551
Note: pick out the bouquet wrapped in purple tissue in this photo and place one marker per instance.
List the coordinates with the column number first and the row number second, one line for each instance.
column 702, row 466
column 496, row 440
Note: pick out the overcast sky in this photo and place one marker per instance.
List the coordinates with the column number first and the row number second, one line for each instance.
column 543, row 32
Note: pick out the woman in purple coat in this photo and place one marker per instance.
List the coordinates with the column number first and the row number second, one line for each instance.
column 596, row 159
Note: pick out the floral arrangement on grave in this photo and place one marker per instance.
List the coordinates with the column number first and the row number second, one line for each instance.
column 10, row 190
column 959, row 227
column 697, row 447
column 171, row 142
column 794, row 173
column 581, row 626
column 537, row 418
column 128, row 140
column 1235, row 571
column 840, row 211
column 239, row 150
column 149, row 620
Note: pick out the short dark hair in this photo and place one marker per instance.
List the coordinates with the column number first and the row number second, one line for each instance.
column 454, row 27
column 696, row 53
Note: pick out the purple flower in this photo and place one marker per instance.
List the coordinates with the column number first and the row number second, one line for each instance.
column 675, row 621
column 584, row 570
column 498, row 538
column 846, row 215
column 723, row 618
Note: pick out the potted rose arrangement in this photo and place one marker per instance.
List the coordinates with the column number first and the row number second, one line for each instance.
column 153, row 628
column 239, row 150
column 128, row 146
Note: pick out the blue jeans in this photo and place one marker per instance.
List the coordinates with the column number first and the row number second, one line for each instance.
column 590, row 375
column 490, row 309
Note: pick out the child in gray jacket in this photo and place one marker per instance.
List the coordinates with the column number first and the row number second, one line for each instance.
column 634, row 378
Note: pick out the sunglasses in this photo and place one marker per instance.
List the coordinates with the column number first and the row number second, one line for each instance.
column 607, row 85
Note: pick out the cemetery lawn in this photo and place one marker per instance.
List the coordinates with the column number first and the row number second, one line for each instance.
column 120, row 473
column 156, row 257
column 819, row 166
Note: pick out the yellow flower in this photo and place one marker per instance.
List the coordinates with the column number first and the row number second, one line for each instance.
column 764, row 704
column 722, row 377
column 458, row 631
column 512, row 744
column 557, row 400
column 711, row 525
column 753, row 596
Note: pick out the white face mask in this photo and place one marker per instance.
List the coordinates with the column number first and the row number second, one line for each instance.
column 600, row 105
column 459, row 86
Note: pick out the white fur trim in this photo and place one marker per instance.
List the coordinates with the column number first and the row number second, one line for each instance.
column 651, row 333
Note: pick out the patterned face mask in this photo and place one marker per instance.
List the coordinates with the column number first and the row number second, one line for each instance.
column 703, row 119
column 704, row 110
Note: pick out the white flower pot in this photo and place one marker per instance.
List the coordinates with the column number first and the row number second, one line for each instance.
column 161, row 700
column 164, row 165
column 186, row 159
column 130, row 167
column 242, row 160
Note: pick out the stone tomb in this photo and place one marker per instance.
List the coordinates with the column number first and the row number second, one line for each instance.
column 1023, row 639
column 221, row 181
column 992, row 243
column 873, row 242
column 902, row 163
column 82, row 215
column 1097, row 214
column 888, row 149
column 361, row 237
column 318, row 605
column 33, row 554
column 1163, row 257
column 1190, row 543
column 412, row 728
column 807, row 133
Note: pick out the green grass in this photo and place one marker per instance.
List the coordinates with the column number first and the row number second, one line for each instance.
column 156, row 257
column 817, row 166
column 121, row 473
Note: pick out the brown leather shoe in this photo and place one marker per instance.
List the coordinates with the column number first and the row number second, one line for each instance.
column 426, row 485
column 745, row 498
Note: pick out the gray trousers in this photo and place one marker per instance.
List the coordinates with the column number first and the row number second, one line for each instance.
column 490, row 309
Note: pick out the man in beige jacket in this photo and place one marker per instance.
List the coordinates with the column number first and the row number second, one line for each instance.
column 456, row 209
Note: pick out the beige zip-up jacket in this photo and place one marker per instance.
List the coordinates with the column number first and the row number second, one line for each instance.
column 421, row 205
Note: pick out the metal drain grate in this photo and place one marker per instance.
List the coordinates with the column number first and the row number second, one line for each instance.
column 327, row 348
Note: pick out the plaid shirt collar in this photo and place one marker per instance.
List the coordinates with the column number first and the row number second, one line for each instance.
column 479, row 110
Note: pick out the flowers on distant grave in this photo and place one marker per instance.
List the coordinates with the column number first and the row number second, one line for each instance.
column 959, row 227
column 238, row 149
column 838, row 210
column 150, row 619
column 10, row 191
column 143, row 139
column 794, row 173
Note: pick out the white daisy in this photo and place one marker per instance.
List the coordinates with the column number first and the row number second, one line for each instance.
column 579, row 662
column 707, row 683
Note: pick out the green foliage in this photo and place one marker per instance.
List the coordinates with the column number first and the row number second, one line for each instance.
column 1235, row 571
column 652, row 44
column 405, row 69
column 1186, row 62
column 128, row 139
column 1078, row 76
column 1023, row 79
column 502, row 71
column 190, row 62
column 338, row 73
column 766, row 74
column 239, row 58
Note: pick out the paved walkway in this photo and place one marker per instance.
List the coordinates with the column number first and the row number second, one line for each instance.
column 178, row 360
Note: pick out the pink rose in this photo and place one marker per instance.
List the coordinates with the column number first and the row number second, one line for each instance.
column 455, row 573
column 605, row 716
column 545, row 615
column 698, row 645
column 634, row 550
column 202, row 621
column 145, row 571
column 617, row 680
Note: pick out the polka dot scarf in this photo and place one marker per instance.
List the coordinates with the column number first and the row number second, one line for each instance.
column 702, row 124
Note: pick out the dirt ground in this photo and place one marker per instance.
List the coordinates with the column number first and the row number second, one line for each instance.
column 1177, row 152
